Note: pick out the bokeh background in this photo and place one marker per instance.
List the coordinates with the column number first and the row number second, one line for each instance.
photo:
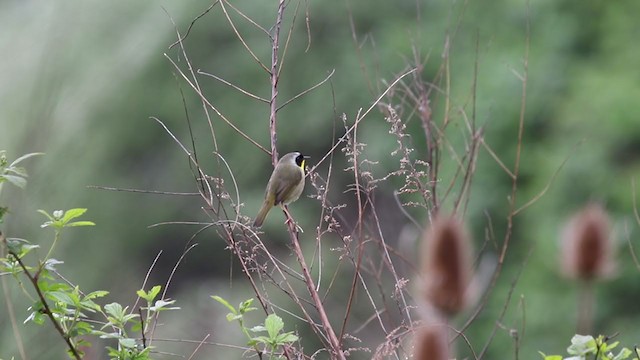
column 79, row 81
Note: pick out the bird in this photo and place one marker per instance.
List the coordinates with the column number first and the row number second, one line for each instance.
column 285, row 184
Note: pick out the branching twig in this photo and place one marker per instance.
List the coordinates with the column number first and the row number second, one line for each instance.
column 47, row 310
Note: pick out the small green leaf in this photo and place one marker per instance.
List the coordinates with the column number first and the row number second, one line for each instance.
column 62, row 297
column 623, row 354
column 162, row 305
column 550, row 357
column 231, row 317
column 50, row 264
column 16, row 180
column 81, row 328
column 24, row 157
column 154, row 292
column 72, row 214
column 96, row 294
column 258, row 328
column 582, row 345
column 225, row 303
column 274, row 325
column 81, row 223
column 19, row 171
column 245, row 306
column 128, row 343
column 252, row 342
column 261, row 339
column 286, row 338
column 116, row 310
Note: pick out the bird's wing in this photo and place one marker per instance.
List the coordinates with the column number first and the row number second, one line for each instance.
column 287, row 186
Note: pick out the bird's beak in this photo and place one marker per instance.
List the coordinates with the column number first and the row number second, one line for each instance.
column 306, row 156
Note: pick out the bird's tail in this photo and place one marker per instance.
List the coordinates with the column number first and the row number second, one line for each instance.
column 262, row 214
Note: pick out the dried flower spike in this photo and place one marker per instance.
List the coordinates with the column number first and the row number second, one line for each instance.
column 431, row 343
column 446, row 270
column 586, row 244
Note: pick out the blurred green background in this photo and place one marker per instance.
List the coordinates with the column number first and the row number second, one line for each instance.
column 80, row 81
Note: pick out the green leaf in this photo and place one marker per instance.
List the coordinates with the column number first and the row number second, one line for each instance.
column 62, row 297
column 262, row 339
column 128, row 343
column 81, row 328
column 18, row 181
column 225, row 303
column 21, row 247
column 258, row 328
column 96, row 294
column 550, row 357
column 72, row 214
column 19, row 171
column 231, row 317
column 623, row 354
column 151, row 295
column 582, row 345
column 286, row 338
column 81, row 223
column 24, row 157
column 162, row 305
column 245, row 306
column 274, row 325
column 116, row 310
column 50, row 264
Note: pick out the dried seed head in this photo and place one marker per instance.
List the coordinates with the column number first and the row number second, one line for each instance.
column 446, row 269
column 430, row 343
column 586, row 244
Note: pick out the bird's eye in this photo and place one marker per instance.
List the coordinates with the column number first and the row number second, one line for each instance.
column 299, row 160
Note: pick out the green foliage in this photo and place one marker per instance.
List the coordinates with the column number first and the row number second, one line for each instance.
column 13, row 174
column 61, row 219
column 72, row 311
column 273, row 326
column 584, row 347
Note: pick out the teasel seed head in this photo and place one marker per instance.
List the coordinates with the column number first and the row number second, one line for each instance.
column 431, row 343
column 587, row 247
column 446, row 265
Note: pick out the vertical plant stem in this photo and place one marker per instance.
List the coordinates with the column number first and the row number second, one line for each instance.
column 336, row 352
column 12, row 315
column 273, row 108
column 586, row 302
column 47, row 309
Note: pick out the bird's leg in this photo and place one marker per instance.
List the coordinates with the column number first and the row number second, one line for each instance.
column 289, row 220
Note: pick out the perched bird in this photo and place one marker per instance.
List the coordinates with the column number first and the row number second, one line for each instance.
column 285, row 185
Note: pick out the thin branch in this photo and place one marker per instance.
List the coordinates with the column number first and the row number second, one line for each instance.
column 324, row 319
column 181, row 39
column 205, row 101
column 235, row 30
column 47, row 309
column 546, row 187
column 245, row 92
column 350, row 129
column 10, row 311
column 307, row 91
column 155, row 192
column 275, row 47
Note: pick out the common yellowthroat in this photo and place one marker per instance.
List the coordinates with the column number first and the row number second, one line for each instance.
column 285, row 185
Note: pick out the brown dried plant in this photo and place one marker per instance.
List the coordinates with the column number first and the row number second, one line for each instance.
column 587, row 255
column 446, row 265
column 587, row 247
column 431, row 343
